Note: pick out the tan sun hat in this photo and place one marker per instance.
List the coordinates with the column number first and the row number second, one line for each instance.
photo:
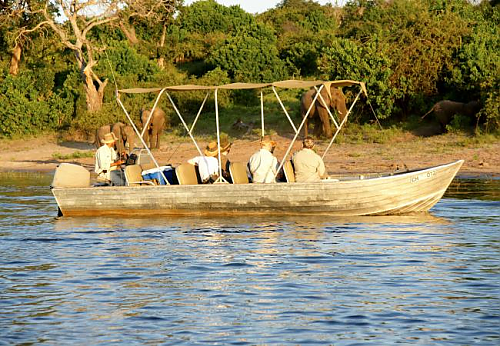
column 268, row 140
column 109, row 138
column 211, row 149
column 225, row 144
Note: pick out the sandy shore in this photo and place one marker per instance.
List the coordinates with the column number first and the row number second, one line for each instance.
column 43, row 154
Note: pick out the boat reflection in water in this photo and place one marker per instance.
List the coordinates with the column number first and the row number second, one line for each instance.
column 249, row 280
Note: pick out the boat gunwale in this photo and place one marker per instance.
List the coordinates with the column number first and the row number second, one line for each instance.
column 270, row 186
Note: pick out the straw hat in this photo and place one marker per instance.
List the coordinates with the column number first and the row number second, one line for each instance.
column 267, row 140
column 211, row 149
column 224, row 144
column 109, row 138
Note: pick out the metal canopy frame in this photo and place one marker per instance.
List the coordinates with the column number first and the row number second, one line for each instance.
column 261, row 86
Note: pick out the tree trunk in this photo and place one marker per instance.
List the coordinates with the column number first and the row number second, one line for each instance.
column 161, row 58
column 94, row 96
column 129, row 33
column 15, row 60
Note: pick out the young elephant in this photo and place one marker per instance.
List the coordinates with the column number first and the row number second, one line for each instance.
column 154, row 128
column 126, row 137
column 125, row 134
column 445, row 110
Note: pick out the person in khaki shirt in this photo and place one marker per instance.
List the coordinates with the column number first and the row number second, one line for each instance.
column 308, row 165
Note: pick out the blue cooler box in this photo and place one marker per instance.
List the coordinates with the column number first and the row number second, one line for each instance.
column 154, row 173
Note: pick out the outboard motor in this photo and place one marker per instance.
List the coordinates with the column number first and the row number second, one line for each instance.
column 70, row 175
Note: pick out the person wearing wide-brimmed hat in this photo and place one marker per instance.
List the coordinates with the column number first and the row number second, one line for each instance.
column 225, row 148
column 263, row 165
column 208, row 165
column 308, row 165
column 106, row 163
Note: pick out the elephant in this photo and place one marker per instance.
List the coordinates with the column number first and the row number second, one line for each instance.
column 319, row 113
column 155, row 127
column 445, row 110
column 124, row 133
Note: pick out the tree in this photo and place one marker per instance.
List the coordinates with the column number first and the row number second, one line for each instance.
column 81, row 19
column 250, row 55
column 18, row 21
column 302, row 27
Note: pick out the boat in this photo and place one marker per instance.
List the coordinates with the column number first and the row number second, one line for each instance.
column 394, row 193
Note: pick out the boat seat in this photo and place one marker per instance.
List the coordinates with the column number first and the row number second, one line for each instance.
column 289, row 171
column 133, row 176
column 186, row 174
column 238, row 171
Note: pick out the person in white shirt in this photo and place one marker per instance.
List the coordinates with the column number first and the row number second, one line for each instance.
column 263, row 165
column 208, row 165
column 106, row 163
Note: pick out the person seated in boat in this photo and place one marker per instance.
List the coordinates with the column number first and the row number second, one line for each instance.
column 107, row 162
column 263, row 165
column 308, row 165
column 208, row 165
column 225, row 148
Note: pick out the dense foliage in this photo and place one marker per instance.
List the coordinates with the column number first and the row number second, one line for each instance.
column 410, row 54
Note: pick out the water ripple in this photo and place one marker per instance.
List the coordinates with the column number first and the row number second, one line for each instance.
column 429, row 279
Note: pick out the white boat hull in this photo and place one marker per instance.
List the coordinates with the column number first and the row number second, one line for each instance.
column 402, row 193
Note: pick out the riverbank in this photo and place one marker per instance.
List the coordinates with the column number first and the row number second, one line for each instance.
column 482, row 159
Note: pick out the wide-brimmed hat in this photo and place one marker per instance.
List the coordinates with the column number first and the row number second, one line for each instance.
column 225, row 144
column 211, row 149
column 268, row 140
column 109, row 138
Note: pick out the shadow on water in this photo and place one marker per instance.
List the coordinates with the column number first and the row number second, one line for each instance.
column 482, row 189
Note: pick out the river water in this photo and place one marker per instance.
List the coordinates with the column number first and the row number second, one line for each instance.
column 432, row 279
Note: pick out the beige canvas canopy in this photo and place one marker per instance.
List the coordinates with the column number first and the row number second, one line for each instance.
column 287, row 84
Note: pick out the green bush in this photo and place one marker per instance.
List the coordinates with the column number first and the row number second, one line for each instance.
column 28, row 104
column 250, row 55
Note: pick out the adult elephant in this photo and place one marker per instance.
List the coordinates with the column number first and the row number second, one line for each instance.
column 445, row 110
column 125, row 135
column 334, row 98
column 154, row 128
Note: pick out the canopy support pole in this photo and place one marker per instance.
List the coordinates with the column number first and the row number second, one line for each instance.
column 262, row 113
column 327, row 108
column 185, row 125
column 199, row 112
column 152, row 110
column 298, row 131
column 140, row 137
column 341, row 124
column 220, row 179
column 284, row 109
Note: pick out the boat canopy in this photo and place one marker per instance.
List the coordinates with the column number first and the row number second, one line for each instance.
column 287, row 84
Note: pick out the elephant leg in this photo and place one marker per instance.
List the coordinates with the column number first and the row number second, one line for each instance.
column 154, row 139
column 317, row 126
column 145, row 137
column 158, row 135
column 325, row 122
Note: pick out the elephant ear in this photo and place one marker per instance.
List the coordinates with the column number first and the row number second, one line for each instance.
column 328, row 86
